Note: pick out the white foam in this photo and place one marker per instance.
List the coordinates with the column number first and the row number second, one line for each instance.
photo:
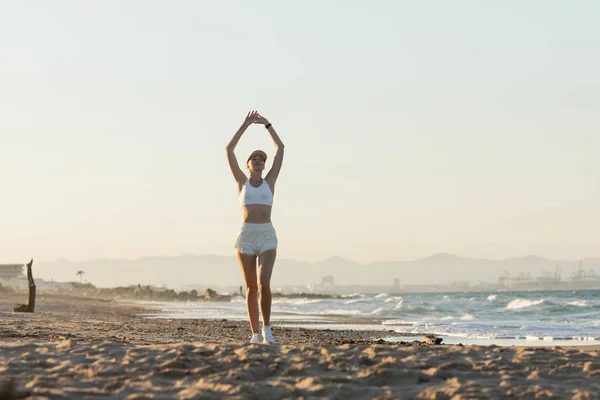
column 296, row 301
column 467, row 317
column 579, row 303
column 559, row 338
column 492, row 297
column 517, row 304
column 398, row 322
column 380, row 295
column 586, row 338
column 340, row 312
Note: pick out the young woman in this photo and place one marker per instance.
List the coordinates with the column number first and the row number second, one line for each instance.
column 257, row 240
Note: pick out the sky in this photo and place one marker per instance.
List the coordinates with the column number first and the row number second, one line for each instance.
column 410, row 128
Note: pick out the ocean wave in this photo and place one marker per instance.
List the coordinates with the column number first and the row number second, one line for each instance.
column 467, row 332
column 518, row 304
column 579, row 303
column 398, row 322
column 559, row 338
column 492, row 297
column 354, row 301
column 352, row 295
column 461, row 317
column 340, row 312
column 297, row 302
column 412, row 309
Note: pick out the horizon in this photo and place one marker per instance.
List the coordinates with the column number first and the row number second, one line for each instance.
column 332, row 257
column 434, row 270
column 409, row 129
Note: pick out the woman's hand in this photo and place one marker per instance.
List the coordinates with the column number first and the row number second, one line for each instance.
column 261, row 120
column 251, row 118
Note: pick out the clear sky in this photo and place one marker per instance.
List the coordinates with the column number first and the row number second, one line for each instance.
column 411, row 128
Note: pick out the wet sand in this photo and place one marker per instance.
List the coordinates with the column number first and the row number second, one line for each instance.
column 84, row 348
column 93, row 321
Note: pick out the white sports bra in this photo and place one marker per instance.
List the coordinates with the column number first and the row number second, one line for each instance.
column 256, row 195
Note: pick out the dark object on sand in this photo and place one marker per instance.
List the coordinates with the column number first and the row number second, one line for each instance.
column 9, row 391
column 430, row 339
column 30, row 306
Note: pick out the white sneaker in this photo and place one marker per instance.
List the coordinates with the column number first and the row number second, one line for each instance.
column 256, row 338
column 268, row 335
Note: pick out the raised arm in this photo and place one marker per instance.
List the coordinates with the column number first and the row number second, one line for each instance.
column 278, row 159
column 233, row 163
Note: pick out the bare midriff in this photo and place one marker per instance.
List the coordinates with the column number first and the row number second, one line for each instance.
column 256, row 214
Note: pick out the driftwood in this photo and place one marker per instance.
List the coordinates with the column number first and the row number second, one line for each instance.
column 30, row 306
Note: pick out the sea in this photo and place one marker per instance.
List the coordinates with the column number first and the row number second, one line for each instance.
column 530, row 318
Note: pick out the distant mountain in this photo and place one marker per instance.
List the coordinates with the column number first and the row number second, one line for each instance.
column 221, row 271
column 337, row 260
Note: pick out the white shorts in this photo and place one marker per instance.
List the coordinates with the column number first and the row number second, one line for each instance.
column 254, row 239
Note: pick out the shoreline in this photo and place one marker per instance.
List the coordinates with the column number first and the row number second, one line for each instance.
column 393, row 328
column 142, row 318
column 93, row 320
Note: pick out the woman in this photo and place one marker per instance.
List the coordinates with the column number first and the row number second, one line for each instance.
column 257, row 239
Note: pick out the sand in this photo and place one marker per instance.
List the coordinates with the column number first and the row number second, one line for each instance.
column 85, row 348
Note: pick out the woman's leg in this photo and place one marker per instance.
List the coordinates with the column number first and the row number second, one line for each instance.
column 266, row 261
column 248, row 265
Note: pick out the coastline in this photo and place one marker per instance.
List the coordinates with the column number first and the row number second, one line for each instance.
column 74, row 347
column 90, row 320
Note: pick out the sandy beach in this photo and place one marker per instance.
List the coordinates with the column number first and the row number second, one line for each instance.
column 78, row 348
